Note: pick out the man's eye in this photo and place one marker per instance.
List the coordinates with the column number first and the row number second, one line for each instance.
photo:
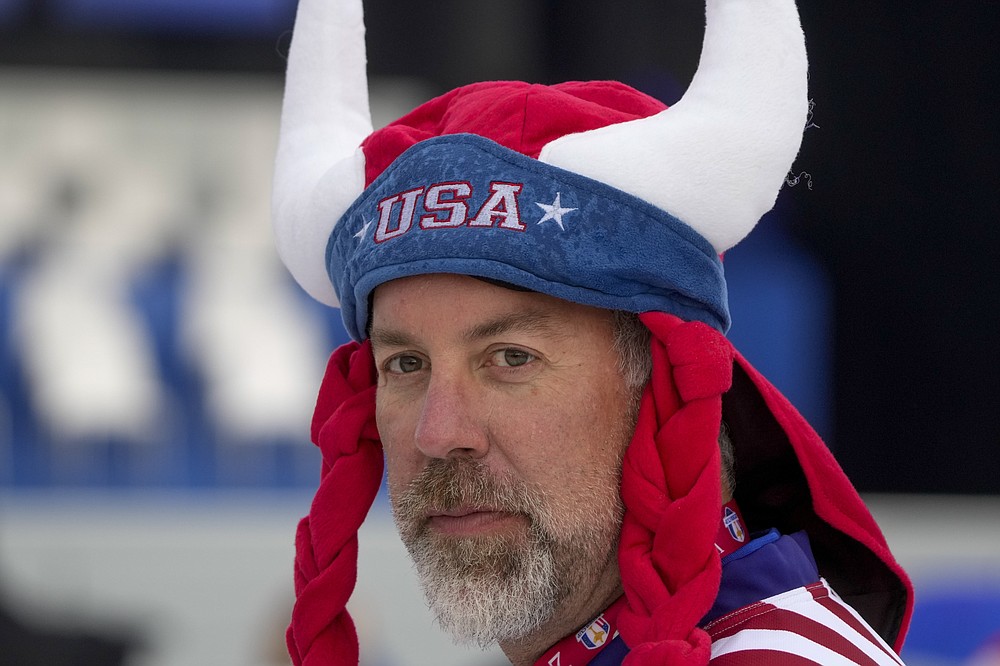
column 512, row 358
column 404, row 364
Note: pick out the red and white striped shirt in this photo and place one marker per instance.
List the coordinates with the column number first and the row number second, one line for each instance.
column 806, row 625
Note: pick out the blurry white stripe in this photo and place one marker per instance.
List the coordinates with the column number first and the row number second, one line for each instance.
column 261, row 354
column 779, row 641
column 89, row 363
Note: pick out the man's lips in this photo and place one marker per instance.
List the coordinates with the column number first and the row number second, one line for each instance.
column 473, row 521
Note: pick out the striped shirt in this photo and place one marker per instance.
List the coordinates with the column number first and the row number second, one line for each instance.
column 807, row 625
column 773, row 609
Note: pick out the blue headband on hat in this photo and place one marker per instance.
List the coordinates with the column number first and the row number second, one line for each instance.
column 466, row 205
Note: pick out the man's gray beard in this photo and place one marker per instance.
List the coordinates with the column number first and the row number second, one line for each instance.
column 487, row 589
column 499, row 588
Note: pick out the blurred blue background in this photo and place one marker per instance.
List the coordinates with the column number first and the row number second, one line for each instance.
column 157, row 365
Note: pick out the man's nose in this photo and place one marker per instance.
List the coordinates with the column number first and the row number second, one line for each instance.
column 448, row 425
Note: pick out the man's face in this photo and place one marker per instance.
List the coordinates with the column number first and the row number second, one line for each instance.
column 504, row 419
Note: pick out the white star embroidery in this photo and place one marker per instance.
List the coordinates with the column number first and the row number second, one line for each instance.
column 361, row 234
column 555, row 211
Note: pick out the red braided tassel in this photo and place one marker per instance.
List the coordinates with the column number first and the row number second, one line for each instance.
column 321, row 632
column 672, row 494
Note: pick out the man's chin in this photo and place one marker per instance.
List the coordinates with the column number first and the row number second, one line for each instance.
column 496, row 557
column 486, row 589
column 478, row 612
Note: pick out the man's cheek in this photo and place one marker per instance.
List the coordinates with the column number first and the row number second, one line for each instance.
column 400, row 467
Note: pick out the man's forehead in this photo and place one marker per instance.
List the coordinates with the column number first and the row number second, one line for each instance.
column 470, row 309
column 531, row 322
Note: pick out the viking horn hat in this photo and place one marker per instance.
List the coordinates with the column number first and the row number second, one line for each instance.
column 649, row 197
column 715, row 160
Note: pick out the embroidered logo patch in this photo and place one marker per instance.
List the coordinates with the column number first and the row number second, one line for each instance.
column 447, row 205
column 594, row 635
column 732, row 522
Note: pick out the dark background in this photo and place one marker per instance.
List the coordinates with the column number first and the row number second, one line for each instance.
column 902, row 213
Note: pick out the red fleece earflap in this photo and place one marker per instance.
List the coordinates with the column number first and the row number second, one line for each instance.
column 671, row 488
column 321, row 632
column 849, row 547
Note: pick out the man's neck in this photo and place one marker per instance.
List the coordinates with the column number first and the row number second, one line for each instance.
column 575, row 612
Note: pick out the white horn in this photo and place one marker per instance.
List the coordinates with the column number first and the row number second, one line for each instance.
column 716, row 159
column 319, row 169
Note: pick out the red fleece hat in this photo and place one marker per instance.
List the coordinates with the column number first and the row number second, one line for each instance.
column 517, row 115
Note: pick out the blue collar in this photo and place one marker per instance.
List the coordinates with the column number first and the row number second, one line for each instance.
column 770, row 564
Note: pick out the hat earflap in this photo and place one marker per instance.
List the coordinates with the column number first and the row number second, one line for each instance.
column 321, row 632
column 671, row 488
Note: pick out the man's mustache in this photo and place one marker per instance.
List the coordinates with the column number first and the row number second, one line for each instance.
column 449, row 484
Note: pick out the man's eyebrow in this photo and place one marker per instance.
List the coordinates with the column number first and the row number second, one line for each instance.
column 382, row 337
column 528, row 321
